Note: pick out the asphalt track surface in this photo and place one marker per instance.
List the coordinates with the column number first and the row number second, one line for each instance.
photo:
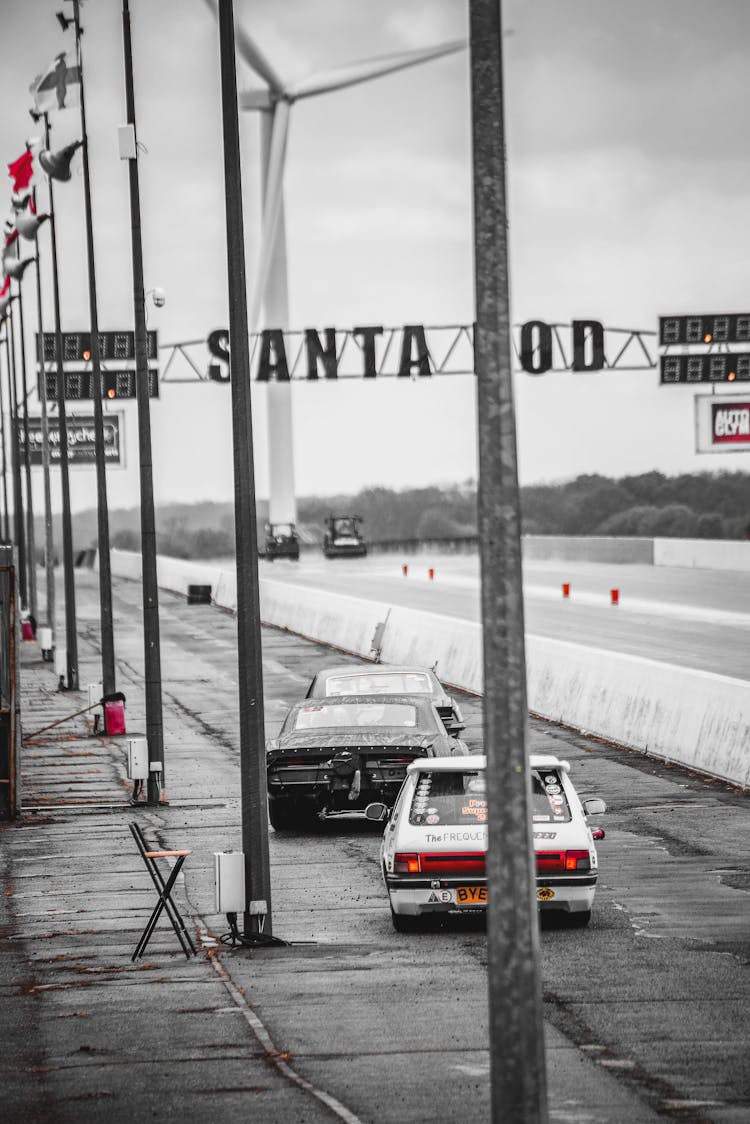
column 692, row 618
column 645, row 1010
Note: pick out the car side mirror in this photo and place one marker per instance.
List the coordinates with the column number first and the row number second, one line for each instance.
column 377, row 812
column 594, row 807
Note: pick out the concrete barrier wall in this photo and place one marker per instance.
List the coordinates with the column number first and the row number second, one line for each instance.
column 703, row 554
column 587, row 548
column 691, row 717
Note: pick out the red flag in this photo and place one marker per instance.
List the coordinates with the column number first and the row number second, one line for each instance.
column 6, row 286
column 10, row 236
column 21, row 171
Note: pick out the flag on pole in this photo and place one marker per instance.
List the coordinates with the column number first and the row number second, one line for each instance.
column 59, row 86
column 21, row 171
column 5, row 288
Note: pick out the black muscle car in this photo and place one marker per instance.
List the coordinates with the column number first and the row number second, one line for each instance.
column 339, row 754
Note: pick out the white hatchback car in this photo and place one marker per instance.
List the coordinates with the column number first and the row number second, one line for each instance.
column 435, row 842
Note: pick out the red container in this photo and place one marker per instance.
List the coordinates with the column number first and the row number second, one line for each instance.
column 615, row 596
column 566, row 589
column 114, row 718
column 27, row 632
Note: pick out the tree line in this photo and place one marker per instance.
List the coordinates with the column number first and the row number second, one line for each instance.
column 695, row 505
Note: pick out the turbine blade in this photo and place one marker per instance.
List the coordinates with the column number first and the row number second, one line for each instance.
column 252, row 54
column 255, row 99
column 352, row 74
column 271, row 207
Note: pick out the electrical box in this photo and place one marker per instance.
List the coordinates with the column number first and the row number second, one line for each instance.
column 229, row 881
column 126, row 142
column 61, row 665
column 95, row 693
column 137, row 759
column 44, row 636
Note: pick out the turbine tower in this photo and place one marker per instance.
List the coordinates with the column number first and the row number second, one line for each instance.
column 270, row 292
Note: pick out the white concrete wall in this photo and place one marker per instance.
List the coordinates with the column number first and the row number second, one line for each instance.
column 703, row 554
column 695, row 718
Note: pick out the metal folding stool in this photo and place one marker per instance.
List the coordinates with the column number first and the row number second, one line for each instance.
column 164, row 890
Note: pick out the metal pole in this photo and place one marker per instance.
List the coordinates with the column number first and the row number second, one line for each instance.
column 30, row 546
column 105, row 573
column 15, row 444
column 49, row 545
column 6, row 516
column 250, row 668
column 517, row 1066
column 71, row 637
column 151, row 643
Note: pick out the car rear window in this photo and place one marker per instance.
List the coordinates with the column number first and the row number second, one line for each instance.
column 380, row 683
column 548, row 801
column 336, row 715
column 459, row 798
column 449, row 798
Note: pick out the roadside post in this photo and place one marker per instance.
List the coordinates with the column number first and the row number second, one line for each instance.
column 257, row 915
column 517, row 1066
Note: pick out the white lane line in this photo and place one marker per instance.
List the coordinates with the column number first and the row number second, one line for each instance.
column 273, row 1055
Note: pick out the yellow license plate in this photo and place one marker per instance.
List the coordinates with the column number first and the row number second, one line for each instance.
column 471, row 895
column 545, row 894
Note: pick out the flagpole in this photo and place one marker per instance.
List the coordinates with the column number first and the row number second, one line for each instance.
column 6, row 516
column 105, row 573
column 30, row 546
column 151, row 638
column 71, row 637
column 16, row 465
column 49, row 546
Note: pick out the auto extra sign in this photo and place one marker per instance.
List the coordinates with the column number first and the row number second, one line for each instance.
column 81, row 440
column 722, row 423
column 415, row 350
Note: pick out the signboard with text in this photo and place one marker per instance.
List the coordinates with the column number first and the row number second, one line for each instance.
column 81, row 440
column 722, row 423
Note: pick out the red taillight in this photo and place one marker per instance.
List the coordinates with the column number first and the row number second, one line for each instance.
column 459, row 862
column 548, row 861
column 405, row 863
column 577, row 860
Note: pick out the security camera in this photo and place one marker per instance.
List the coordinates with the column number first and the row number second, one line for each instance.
column 159, row 297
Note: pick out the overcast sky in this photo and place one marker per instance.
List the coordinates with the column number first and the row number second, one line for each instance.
column 629, row 198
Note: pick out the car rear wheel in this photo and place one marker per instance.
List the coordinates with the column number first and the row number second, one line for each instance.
column 283, row 814
column 405, row 922
column 579, row 920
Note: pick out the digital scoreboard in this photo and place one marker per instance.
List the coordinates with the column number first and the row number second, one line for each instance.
column 117, row 346
column 79, row 385
column 704, row 340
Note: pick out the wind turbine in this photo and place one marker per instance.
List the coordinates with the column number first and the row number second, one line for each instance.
column 270, row 290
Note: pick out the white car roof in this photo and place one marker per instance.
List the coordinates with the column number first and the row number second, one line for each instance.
column 477, row 761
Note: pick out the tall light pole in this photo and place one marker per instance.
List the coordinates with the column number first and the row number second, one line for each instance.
column 257, row 915
column 151, row 639
column 105, row 572
column 6, row 516
column 517, row 1067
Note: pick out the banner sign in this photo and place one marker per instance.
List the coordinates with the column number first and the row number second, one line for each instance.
column 81, row 440
column 417, row 351
column 722, row 424
column 79, row 385
column 112, row 346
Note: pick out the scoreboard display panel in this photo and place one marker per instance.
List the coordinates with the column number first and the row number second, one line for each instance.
column 113, row 346
column 79, row 385
column 717, row 366
column 709, row 328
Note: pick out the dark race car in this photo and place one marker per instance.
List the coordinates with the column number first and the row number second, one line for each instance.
column 337, row 755
column 388, row 679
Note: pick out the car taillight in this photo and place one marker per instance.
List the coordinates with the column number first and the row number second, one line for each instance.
column 405, row 863
column 548, row 861
column 577, row 860
column 459, row 862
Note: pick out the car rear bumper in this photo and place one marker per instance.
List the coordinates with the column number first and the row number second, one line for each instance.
column 415, row 896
